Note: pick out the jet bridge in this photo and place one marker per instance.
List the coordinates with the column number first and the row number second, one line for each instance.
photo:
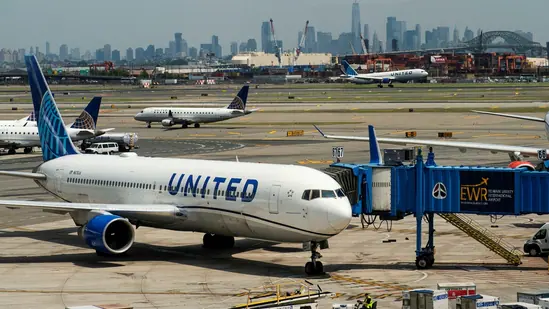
column 424, row 189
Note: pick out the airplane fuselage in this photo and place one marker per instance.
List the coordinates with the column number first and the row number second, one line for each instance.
column 255, row 200
column 391, row 76
column 28, row 136
column 188, row 115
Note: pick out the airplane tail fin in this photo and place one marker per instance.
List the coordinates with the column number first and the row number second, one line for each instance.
column 31, row 117
column 54, row 138
column 88, row 118
column 375, row 152
column 239, row 102
column 348, row 69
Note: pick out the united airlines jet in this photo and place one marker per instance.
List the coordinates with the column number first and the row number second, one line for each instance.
column 170, row 116
column 382, row 77
column 107, row 195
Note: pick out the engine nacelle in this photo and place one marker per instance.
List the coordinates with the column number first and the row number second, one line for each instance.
column 109, row 234
column 385, row 80
column 522, row 164
column 168, row 122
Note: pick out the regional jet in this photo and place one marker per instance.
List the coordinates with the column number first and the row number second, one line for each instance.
column 107, row 195
column 170, row 116
column 382, row 77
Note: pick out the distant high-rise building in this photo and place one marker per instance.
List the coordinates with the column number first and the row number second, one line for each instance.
column 390, row 29
column 410, row 40
column 129, row 54
column 184, row 49
column 31, row 51
column 547, row 47
column 116, row 55
column 149, row 52
column 87, row 56
column 266, row 45
column 468, row 34
column 21, row 55
column 171, row 49
column 252, row 45
column 63, row 52
column 139, row 54
column 344, row 43
column 216, row 48
column 455, row 39
column 479, row 31
column 234, row 48
column 355, row 24
column 443, row 34
column 37, row 50
column 107, row 52
column 324, row 42
column 178, row 43
column 419, row 39
column 366, row 33
column 48, row 51
column 158, row 53
column 193, row 52
column 310, row 40
column 100, row 54
column 75, row 53
column 243, row 47
column 401, row 29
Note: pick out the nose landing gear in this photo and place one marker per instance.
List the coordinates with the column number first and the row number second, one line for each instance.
column 314, row 267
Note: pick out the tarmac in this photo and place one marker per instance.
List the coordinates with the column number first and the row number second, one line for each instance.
column 43, row 263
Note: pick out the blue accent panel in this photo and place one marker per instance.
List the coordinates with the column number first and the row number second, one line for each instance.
column 385, row 80
column 239, row 102
column 375, row 153
column 348, row 69
column 88, row 118
column 54, row 138
column 94, row 229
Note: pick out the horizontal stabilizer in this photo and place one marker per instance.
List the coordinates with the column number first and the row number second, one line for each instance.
column 103, row 131
column 23, row 175
column 58, row 206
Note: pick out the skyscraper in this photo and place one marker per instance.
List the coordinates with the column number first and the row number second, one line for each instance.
column 48, row 51
column 216, row 48
column 455, row 38
column 75, row 53
column 266, row 44
column 310, row 40
column 178, row 43
column 355, row 25
column 234, row 48
column 243, row 47
column 129, row 54
column 324, row 42
column 468, row 34
column 252, row 45
column 193, row 52
column 390, row 30
column 139, row 54
column 63, row 52
column 116, row 55
column 366, row 33
column 100, row 54
column 419, row 39
column 107, row 52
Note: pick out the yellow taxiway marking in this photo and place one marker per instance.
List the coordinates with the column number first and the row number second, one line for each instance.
column 471, row 117
column 306, row 110
column 272, row 132
column 398, row 132
column 271, row 138
column 354, row 108
column 491, row 135
column 308, row 161
column 234, row 133
column 355, row 118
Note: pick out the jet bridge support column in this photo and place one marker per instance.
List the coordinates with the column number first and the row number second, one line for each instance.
column 424, row 255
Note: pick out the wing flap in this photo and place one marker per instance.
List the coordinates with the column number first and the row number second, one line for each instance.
column 64, row 206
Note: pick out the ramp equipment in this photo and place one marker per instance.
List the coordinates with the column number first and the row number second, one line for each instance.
column 490, row 240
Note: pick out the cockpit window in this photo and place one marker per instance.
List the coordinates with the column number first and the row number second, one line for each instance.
column 315, row 194
column 328, row 194
column 340, row 193
column 306, row 195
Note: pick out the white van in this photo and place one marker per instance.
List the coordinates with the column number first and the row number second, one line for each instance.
column 539, row 243
column 102, row 148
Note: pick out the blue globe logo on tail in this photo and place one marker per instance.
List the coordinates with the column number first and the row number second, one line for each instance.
column 239, row 102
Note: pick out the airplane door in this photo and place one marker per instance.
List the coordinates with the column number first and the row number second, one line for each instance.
column 59, row 180
column 273, row 199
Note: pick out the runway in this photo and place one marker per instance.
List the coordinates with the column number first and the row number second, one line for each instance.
column 43, row 263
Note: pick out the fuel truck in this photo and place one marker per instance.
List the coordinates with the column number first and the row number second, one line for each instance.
column 125, row 141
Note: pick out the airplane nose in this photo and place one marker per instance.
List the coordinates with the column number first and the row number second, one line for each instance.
column 137, row 116
column 339, row 217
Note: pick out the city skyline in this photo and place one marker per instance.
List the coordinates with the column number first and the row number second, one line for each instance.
column 325, row 16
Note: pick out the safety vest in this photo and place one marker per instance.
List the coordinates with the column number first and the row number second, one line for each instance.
column 369, row 305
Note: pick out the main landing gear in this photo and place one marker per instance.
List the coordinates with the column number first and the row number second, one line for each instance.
column 213, row 241
column 27, row 150
column 185, row 125
column 197, row 125
column 314, row 267
column 148, row 125
column 390, row 85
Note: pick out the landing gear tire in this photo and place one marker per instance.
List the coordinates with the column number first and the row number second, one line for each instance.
column 184, row 126
column 422, row 262
column 212, row 241
column 314, row 267
column 11, row 151
column 148, row 125
column 391, row 85
column 27, row 150
column 380, row 86
column 197, row 125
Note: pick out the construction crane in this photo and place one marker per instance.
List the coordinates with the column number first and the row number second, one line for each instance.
column 363, row 42
column 302, row 42
column 275, row 44
column 352, row 47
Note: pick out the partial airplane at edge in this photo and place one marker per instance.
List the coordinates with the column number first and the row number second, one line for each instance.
column 106, row 195
column 24, row 134
column 382, row 77
column 516, row 153
column 170, row 116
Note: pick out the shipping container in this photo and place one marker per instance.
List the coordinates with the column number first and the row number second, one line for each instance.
column 532, row 298
column 406, row 298
column 519, row 305
column 477, row 301
column 428, row 299
column 456, row 289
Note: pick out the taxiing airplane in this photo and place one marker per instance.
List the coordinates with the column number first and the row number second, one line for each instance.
column 382, row 77
column 170, row 116
column 106, row 195
column 516, row 153
column 25, row 135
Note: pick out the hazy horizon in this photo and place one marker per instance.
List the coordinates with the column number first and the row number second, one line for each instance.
column 138, row 23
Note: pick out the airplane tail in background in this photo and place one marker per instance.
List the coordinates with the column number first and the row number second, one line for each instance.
column 54, row 138
column 88, row 118
column 239, row 102
column 348, row 69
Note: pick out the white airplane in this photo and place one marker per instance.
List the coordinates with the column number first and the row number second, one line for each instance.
column 25, row 134
column 382, row 77
column 516, row 153
column 106, row 195
column 29, row 120
column 170, row 116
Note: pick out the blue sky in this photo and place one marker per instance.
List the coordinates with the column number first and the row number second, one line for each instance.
column 124, row 23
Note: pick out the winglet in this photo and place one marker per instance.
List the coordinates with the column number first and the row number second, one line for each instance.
column 375, row 152
column 54, row 138
column 319, row 131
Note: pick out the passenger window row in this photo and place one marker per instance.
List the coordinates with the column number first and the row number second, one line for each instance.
column 22, row 133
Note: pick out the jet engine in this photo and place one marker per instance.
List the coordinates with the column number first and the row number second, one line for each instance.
column 522, row 164
column 168, row 122
column 109, row 234
column 385, row 80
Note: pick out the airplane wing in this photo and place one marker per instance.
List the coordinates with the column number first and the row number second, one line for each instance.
column 67, row 207
column 89, row 133
column 511, row 116
column 103, row 131
column 373, row 77
column 462, row 146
